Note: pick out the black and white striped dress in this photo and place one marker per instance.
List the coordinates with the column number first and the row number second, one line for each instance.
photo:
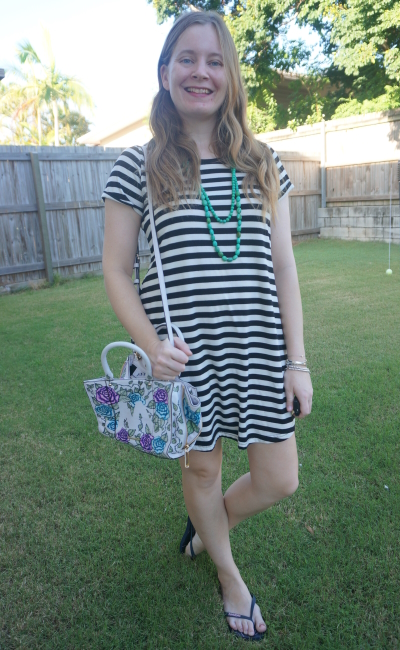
column 227, row 312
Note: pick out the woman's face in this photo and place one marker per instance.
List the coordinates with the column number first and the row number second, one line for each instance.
column 195, row 75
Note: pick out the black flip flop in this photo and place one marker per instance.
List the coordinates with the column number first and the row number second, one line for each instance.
column 257, row 636
column 187, row 538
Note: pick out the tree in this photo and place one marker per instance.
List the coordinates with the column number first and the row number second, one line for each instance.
column 360, row 40
column 43, row 89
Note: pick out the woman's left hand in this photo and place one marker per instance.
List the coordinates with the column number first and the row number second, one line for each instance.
column 299, row 384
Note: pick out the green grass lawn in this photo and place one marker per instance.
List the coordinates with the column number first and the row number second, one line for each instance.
column 89, row 528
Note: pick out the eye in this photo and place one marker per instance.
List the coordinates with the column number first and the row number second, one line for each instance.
column 186, row 60
column 216, row 63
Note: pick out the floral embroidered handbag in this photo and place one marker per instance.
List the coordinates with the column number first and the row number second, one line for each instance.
column 157, row 417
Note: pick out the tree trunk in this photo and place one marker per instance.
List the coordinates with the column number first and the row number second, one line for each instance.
column 39, row 124
column 55, row 113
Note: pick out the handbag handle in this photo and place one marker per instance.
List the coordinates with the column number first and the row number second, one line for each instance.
column 174, row 327
column 157, row 256
column 123, row 344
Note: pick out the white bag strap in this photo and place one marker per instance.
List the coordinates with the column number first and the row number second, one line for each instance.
column 157, row 254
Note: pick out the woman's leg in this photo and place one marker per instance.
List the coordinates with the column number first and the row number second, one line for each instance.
column 205, row 505
column 273, row 475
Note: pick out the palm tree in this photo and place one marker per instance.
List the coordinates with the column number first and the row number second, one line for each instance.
column 43, row 87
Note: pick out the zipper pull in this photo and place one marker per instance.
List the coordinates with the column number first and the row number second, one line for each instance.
column 186, row 455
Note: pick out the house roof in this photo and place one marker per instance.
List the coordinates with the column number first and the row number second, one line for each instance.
column 104, row 135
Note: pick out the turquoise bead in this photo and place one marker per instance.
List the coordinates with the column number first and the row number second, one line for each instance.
column 209, row 210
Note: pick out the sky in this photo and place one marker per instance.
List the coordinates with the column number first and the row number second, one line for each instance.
column 111, row 47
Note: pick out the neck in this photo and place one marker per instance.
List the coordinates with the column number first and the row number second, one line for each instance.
column 201, row 133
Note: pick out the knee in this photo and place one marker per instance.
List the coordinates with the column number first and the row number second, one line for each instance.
column 204, row 477
column 278, row 488
column 288, row 487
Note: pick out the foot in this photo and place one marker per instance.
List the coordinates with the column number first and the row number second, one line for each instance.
column 198, row 546
column 237, row 599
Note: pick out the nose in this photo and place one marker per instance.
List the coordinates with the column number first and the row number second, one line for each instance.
column 200, row 71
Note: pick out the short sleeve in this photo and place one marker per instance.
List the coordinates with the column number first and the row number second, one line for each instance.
column 285, row 183
column 125, row 181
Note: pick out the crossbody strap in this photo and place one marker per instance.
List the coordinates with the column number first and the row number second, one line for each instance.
column 157, row 253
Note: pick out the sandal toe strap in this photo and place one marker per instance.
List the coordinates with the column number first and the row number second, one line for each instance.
column 238, row 616
column 248, row 618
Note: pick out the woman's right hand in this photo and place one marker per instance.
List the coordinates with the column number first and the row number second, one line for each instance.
column 168, row 361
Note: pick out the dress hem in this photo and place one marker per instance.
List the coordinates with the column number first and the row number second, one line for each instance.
column 243, row 447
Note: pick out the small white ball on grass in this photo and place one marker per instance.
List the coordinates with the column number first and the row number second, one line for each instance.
column 389, row 272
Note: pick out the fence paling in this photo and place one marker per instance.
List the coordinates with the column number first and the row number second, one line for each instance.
column 37, row 181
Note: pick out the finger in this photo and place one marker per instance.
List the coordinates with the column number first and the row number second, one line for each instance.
column 173, row 353
column 289, row 398
column 182, row 345
column 304, row 406
column 171, row 366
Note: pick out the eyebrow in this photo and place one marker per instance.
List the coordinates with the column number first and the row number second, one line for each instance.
column 193, row 52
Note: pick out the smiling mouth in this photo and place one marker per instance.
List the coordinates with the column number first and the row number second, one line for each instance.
column 198, row 91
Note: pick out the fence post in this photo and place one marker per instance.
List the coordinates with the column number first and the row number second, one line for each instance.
column 323, row 165
column 37, row 181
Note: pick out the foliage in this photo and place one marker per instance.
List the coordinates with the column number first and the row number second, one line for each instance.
column 40, row 105
column 359, row 71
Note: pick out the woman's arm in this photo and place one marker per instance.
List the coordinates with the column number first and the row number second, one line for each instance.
column 288, row 290
column 121, row 233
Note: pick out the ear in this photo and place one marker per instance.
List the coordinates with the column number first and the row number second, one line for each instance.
column 164, row 77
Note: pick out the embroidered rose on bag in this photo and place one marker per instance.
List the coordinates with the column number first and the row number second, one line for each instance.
column 162, row 410
column 112, row 425
column 161, row 395
column 106, row 395
column 194, row 416
column 122, row 435
column 145, row 441
column 104, row 411
column 135, row 397
column 158, row 445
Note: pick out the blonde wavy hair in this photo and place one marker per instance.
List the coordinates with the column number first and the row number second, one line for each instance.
column 173, row 159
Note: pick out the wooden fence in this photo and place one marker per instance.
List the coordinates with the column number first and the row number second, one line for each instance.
column 51, row 212
column 372, row 183
column 52, row 216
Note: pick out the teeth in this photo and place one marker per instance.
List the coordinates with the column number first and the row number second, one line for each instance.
column 198, row 90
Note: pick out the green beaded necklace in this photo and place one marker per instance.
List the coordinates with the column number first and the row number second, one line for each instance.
column 210, row 210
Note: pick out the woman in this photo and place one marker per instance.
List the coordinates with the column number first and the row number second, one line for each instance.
column 224, row 279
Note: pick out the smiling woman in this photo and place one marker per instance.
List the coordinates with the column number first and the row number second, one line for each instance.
column 196, row 79
column 222, row 222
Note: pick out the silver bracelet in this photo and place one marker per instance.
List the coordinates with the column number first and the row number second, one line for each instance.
column 300, row 368
column 296, row 363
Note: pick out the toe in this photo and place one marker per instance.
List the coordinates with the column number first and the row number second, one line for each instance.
column 258, row 621
column 250, row 629
column 232, row 623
